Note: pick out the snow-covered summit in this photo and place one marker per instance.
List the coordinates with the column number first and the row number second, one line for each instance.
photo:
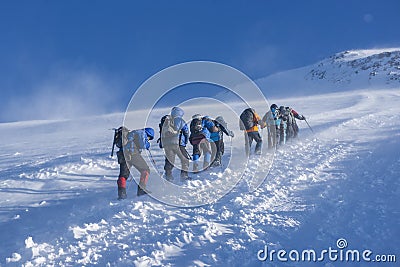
column 348, row 70
column 350, row 55
column 344, row 67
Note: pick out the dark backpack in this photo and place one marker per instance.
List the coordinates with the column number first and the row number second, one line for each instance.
column 246, row 119
column 284, row 114
column 291, row 119
column 196, row 125
column 160, row 126
column 120, row 138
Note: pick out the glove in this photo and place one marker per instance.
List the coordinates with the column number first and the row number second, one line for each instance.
column 231, row 134
column 303, row 117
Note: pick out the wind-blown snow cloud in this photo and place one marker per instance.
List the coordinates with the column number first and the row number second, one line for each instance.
column 65, row 94
column 261, row 59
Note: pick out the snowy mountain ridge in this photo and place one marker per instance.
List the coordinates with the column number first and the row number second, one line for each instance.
column 345, row 66
column 347, row 70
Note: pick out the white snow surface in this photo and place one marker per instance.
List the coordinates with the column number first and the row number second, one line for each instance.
column 58, row 202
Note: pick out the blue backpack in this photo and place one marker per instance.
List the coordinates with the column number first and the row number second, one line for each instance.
column 136, row 141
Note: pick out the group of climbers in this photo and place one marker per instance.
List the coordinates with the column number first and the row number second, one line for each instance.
column 280, row 123
column 206, row 138
column 204, row 134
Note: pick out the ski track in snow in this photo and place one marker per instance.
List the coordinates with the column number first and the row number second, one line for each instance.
column 318, row 190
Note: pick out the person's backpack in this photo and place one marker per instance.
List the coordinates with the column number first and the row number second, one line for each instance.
column 197, row 130
column 167, row 129
column 136, row 141
column 120, row 138
column 291, row 119
column 284, row 114
column 247, row 119
column 160, row 126
column 219, row 121
column 196, row 125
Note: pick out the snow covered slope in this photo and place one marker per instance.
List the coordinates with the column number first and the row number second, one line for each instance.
column 58, row 191
column 349, row 70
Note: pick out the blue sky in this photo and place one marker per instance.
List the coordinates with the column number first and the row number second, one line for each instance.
column 71, row 58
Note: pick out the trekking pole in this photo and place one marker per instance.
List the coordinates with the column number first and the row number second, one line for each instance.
column 130, row 182
column 155, row 166
column 113, row 145
column 309, row 126
column 154, row 162
column 187, row 154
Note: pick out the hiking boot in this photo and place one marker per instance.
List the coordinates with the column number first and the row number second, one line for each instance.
column 142, row 191
column 216, row 163
column 195, row 167
column 184, row 176
column 169, row 177
column 206, row 165
column 121, row 193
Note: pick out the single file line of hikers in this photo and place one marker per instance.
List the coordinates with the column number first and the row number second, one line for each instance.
column 205, row 134
column 280, row 123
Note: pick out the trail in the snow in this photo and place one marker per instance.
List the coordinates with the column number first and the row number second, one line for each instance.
column 149, row 233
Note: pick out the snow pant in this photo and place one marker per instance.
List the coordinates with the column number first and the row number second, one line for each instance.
column 201, row 146
column 170, row 153
column 282, row 132
column 272, row 136
column 136, row 160
column 295, row 129
column 249, row 137
column 289, row 131
column 217, row 148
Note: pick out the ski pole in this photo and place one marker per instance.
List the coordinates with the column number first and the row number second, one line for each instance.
column 186, row 153
column 113, row 145
column 130, row 182
column 155, row 166
column 309, row 126
column 154, row 162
